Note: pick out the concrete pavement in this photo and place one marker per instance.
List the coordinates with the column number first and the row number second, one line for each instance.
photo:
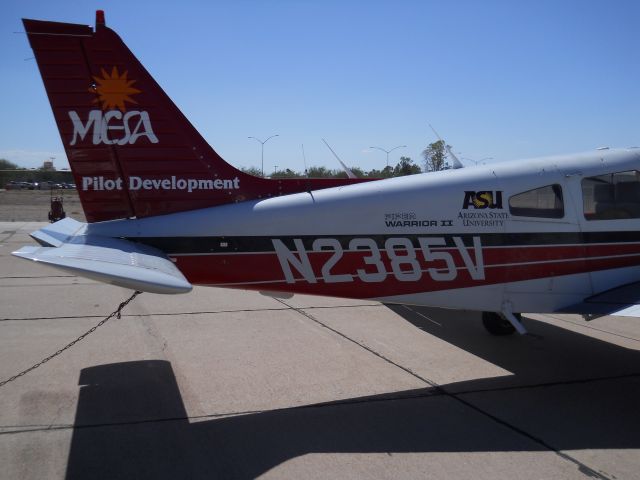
column 232, row 384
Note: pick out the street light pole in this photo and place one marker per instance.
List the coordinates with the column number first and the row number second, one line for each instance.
column 262, row 150
column 389, row 151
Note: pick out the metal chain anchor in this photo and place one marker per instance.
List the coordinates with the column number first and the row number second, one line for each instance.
column 116, row 313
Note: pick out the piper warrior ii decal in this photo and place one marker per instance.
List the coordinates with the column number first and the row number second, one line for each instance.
column 165, row 212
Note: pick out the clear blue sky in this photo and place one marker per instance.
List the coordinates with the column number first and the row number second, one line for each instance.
column 502, row 79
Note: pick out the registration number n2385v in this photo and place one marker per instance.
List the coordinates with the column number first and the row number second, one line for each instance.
column 399, row 258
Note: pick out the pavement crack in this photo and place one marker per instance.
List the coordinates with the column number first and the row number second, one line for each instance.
column 581, row 466
column 10, row 233
column 455, row 396
column 38, row 276
column 437, row 392
column 169, row 314
column 548, row 384
column 361, row 345
column 586, row 325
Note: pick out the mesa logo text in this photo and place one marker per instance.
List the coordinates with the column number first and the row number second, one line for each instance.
column 99, row 184
column 112, row 124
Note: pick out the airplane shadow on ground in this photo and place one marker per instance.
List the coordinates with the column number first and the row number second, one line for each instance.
column 131, row 421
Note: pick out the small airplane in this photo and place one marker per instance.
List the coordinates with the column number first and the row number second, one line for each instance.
column 165, row 212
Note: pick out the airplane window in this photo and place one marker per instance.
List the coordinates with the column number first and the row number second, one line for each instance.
column 543, row 202
column 612, row 196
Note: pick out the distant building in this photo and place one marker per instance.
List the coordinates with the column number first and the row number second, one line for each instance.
column 47, row 165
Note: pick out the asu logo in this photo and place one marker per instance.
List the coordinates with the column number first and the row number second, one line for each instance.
column 113, row 124
column 482, row 199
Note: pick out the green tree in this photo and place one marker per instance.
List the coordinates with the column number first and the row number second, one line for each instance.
column 7, row 165
column 386, row 172
column 358, row 172
column 318, row 172
column 406, row 167
column 288, row 173
column 256, row 172
column 324, row 172
column 435, row 157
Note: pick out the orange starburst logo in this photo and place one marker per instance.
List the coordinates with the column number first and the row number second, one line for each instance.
column 114, row 90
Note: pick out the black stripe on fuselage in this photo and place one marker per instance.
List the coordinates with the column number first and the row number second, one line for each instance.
column 203, row 245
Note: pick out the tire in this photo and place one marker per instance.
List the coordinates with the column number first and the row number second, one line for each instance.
column 496, row 324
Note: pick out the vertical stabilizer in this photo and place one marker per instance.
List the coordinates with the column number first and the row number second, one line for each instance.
column 131, row 150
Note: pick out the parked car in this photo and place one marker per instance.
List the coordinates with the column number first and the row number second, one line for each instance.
column 15, row 185
column 50, row 185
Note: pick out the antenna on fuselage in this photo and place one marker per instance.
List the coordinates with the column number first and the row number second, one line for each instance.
column 456, row 163
column 306, row 171
column 347, row 170
column 304, row 160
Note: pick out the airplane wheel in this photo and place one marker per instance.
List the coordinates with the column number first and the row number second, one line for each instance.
column 496, row 324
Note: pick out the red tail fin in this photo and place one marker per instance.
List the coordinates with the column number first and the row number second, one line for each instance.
column 132, row 152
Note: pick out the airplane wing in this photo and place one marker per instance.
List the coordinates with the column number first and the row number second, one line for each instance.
column 622, row 301
column 115, row 261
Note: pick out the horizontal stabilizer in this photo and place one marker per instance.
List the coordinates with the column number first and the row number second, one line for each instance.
column 114, row 261
column 57, row 233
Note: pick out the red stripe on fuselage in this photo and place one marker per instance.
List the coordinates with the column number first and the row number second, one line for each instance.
column 263, row 271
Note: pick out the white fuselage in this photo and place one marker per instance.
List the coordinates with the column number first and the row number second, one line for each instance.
column 448, row 239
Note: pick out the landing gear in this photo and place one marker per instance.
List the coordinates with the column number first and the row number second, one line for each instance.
column 496, row 324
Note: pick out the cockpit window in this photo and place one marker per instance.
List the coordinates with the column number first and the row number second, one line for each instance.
column 612, row 196
column 543, row 202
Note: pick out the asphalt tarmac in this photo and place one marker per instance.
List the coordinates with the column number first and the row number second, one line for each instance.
column 232, row 384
